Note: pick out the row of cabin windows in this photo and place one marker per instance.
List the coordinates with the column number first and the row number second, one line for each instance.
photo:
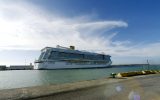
column 59, row 55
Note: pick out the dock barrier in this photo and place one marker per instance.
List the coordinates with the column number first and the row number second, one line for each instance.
column 135, row 73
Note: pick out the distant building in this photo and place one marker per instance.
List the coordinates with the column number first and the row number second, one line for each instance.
column 2, row 67
column 21, row 67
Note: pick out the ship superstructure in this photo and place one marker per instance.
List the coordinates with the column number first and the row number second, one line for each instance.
column 62, row 58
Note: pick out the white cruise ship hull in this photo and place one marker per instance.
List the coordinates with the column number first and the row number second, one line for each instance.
column 64, row 58
column 65, row 65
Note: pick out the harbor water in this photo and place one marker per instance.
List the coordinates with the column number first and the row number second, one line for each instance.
column 25, row 78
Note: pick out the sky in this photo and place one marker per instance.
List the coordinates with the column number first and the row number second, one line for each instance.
column 128, row 30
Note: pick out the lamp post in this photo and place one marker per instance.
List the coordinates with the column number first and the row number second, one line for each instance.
column 148, row 64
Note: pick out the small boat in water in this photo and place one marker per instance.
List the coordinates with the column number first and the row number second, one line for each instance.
column 64, row 58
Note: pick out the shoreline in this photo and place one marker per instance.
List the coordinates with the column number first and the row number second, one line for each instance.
column 111, row 66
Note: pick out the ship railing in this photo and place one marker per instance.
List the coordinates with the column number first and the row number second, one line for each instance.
column 79, row 61
column 38, row 61
column 74, row 60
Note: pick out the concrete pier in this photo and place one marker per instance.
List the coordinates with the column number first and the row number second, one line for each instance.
column 145, row 87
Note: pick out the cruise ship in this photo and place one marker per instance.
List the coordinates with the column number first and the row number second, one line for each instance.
column 64, row 58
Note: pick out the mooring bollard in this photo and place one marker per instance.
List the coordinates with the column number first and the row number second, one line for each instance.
column 113, row 75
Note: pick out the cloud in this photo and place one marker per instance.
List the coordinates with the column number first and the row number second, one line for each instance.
column 149, row 50
column 26, row 26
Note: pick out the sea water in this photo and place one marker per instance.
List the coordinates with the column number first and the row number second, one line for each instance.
column 25, row 78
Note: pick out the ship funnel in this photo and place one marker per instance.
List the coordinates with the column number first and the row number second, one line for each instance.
column 72, row 47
